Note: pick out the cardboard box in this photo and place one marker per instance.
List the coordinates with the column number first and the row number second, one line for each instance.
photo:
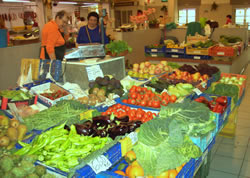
column 53, row 87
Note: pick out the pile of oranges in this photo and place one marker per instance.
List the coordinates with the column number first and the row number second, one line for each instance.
column 134, row 169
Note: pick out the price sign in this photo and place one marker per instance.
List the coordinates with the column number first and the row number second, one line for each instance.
column 133, row 136
column 101, row 163
column 197, row 57
column 175, row 56
column 174, row 50
column 197, row 91
column 153, row 50
column 93, row 72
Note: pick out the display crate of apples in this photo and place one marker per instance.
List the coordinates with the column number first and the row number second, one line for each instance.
column 173, row 48
column 146, row 70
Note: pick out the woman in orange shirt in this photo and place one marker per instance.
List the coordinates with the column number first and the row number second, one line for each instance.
column 53, row 43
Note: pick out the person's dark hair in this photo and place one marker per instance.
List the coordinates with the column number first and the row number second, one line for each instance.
column 229, row 16
column 61, row 14
column 82, row 19
column 93, row 14
column 139, row 11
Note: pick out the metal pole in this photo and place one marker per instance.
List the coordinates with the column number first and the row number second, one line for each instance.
column 102, row 25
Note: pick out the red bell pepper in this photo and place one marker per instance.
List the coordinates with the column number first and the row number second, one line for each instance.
column 222, row 100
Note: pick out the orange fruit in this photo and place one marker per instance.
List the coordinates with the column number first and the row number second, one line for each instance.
column 135, row 163
column 163, row 175
column 127, row 170
column 130, row 156
column 135, row 171
column 172, row 173
column 120, row 173
column 178, row 169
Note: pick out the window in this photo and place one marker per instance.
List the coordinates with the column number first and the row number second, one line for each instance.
column 242, row 16
column 186, row 16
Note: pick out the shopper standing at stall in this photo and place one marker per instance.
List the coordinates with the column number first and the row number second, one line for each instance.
column 91, row 33
column 229, row 19
column 53, row 42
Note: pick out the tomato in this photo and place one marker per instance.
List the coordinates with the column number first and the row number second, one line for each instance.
column 139, row 115
column 164, row 94
column 167, row 97
column 139, row 110
column 143, row 103
column 144, row 89
column 123, row 107
column 118, row 106
column 152, row 95
column 121, row 113
column 133, row 89
column 147, row 97
column 129, row 101
column 149, row 114
column 154, row 114
column 125, row 101
column 144, row 119
column 150, row 103
column 138, row 89
column 133, row 101
column 173, row 98
column 114, row 107
column 164, row 102
column 108, row 113
column 104, row 114
column 127, row 109
column 133, row 95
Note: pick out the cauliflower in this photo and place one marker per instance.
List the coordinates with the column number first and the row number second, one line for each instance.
column 6, row 163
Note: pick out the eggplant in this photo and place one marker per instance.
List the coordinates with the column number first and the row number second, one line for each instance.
column 66, row 127
column 83, row 130
column 122, row 119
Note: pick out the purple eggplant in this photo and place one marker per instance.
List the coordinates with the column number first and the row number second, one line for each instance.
column 83, row 130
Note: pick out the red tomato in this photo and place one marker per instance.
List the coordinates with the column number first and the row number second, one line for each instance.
column 118, row 106
column 173, row 98
column 164, row 102
column 139, row 115
column 133, row 95
column 125, row 101
column 139, row 110
column 164, row 94
column 133, row 89
column 127, row 109
column 133, row 101
column 143, row 103
column 149, row 114
column 138, row 89
column 129, row 101
column 104, row 114
column 144, row 89
column 167, row 97
column 108, row 112
column 124, row 107
column 152, row 95
column 156, row 104
column 150, row 103
column 154, row 114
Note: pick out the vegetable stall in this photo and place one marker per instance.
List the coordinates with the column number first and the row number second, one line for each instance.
column 161, row 120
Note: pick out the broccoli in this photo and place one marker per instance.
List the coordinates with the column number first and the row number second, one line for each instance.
column 16, row 158
column 8, row 175
column 48, row 176
column 27, row 166
column 19, row 172
column 40, row 170
column 6, row 163
column 33, row 176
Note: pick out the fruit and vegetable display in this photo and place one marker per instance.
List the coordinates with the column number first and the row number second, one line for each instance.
column 11, row 131
column 232, row 80
column 201, row 68
column 15, row 95
column 158, row 84
column 65, row 111
column 22, row 166
column 117, row 47
column 107, row 126
column 201, row 44
column 226, row 40
column 146, row 69
column 142, row 96
column 54, row 95
column 61, row 148
column 171, row 44
column 121, row 111
column 102, row 89
column 155, row 46
column 216, row 104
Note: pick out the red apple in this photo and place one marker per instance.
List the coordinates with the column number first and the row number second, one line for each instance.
column 196, row 76
column 157, row 71
column 147, row 64
column 152, row 67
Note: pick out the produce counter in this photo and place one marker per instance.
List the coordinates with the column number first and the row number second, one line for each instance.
column 97, row 134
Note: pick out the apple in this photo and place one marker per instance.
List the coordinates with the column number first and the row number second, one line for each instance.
column 141, row 71
column 130, row 73
column 142, row 65
column 135, row 66
column 157, row 71
column 147, row 64
column 145, row 70
column 185, row 73
column 151, row 72
column 161, row 66
column 135, row 69
column 164, row 63
column 196, row 76
column 166, row 68
column 205, row 77
column 152, row 67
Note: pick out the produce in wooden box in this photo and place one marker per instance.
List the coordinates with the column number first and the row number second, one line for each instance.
column 232, row 80
column 11, row 131
column 54, row 95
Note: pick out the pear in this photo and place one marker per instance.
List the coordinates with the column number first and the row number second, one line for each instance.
column 12, row 133
column 14, row 123
column 21, row 130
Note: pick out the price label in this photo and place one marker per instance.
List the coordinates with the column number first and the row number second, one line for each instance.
column 133, row 136
column 101, row 163
column 93, row 72
column 175, row 56
column 174, row 50
column 197, row 52
column 197, row 91
column 221, row 53
column 154, row 55
column 204, row 84
column 153, row 50
column 197, row 57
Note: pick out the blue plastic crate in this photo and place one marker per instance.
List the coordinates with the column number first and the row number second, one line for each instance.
column 100, row 108
column 155, row 50
column 7, row 114
column 56, row 69
column 187, row 170
column 118, row 100
column 155, row 54
column 35, row 83
column 174, row 55
column 198, row 57
column 175, row 50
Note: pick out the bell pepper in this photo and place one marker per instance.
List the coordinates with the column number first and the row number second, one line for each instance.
column 222, row 100
column 218, row 108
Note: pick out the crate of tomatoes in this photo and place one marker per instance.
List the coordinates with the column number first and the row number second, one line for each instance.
column 142, row 97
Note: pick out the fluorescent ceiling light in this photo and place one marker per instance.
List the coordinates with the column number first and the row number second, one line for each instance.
column 62, row 2
column 89, row 4
column 16, row 1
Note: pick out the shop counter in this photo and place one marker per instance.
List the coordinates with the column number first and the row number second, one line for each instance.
column 76, row 72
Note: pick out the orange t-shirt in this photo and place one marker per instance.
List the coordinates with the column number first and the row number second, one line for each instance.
column 51, row 38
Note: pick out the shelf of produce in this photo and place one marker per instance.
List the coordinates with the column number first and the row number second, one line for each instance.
column 188, row 60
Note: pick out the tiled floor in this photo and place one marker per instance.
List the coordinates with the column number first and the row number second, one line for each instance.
column 231, row 157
